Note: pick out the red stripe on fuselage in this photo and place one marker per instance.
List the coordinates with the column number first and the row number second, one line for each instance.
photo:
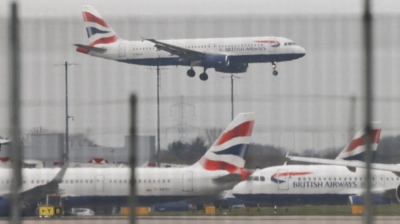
column 88, row 17
column 289, row 174
column 360, row 141
column 242, row 130
column 267, row 41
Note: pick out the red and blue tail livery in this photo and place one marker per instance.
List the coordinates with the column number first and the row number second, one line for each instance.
column 228, row 152
column 357, row 147
column 97, row 29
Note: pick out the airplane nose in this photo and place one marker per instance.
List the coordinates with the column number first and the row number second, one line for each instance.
column 239, row 188
column 301, row 51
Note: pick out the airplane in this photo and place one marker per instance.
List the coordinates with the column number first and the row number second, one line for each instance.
column 221, row 168
column 321, row 184
column 350, row 164
column 30, row 193
column 226, row 55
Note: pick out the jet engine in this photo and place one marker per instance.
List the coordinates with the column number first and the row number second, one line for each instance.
column 212, row 61
column 388, row 197
column 233, row 68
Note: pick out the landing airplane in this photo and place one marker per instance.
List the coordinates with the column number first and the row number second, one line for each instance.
column 227, row 55
column 221, row 168
column 320, row 184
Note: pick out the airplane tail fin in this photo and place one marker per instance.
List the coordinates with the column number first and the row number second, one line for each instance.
column 357, row 147
column 229, row 150
column 97, row 29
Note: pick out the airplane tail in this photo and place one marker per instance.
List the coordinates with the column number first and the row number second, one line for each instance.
column 97, row 29
column 229, row 150
column 357, row 147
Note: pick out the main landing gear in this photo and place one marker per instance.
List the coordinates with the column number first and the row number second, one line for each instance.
column 191, row 72
column 275, row 73
column 203, row 76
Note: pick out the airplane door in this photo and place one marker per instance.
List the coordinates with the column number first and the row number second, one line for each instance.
column 271, row 45
column 283, row 180
column 99, row 184
column 122, row 50
column 187, row 180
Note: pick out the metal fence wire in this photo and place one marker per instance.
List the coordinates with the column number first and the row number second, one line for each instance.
column 87, row 136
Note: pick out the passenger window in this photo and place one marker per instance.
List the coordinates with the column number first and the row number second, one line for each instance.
column 168, row 181
column 144, row 181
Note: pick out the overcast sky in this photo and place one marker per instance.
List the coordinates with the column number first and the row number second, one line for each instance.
column 310, row 93
column 65, row 8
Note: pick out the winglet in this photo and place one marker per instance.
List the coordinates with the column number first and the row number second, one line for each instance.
column 287, row 158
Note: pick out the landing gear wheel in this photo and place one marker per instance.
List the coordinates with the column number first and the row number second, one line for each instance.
column 203, row 76
column 191, row 73
column 275, row 73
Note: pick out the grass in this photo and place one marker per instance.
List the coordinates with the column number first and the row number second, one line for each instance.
column 321, row 210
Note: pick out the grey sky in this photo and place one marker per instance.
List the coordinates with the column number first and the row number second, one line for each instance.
column 66, row 8
column 310, row 95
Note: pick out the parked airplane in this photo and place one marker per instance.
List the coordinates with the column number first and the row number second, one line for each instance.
column 218, row 170
column 320, row 184
column 227, row 55
column 351, row 164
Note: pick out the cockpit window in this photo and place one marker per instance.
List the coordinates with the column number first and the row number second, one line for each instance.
column 250, row 178
column 262, row 178
column 256, row 178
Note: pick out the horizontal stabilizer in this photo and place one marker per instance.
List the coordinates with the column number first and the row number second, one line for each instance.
column 230, row 178
column 86, row 48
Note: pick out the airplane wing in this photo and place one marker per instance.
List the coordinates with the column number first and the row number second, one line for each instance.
column 31, row 197
column 179, row 51
column 229, row 178
column 349, row 164
column 4, row 141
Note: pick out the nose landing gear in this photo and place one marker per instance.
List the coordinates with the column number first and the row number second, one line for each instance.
column 275, row 73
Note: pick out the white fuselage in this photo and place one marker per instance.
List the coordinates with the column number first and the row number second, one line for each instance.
column 240, row 50
column 311, row 184
column 153, row 185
